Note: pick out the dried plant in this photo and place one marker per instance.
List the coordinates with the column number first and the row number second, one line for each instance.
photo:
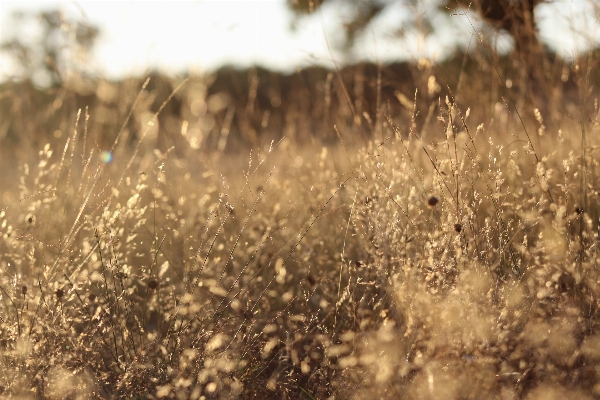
column 451, row 256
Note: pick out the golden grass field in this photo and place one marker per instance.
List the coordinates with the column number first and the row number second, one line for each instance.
column 436, row 253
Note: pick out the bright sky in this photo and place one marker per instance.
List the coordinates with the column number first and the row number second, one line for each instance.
column 181, row 35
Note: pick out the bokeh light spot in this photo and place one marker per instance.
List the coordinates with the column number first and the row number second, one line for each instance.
column 106, row 156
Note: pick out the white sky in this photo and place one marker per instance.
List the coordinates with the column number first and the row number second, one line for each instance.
column 180, row 35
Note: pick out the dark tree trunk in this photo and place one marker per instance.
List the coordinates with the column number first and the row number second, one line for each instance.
column 517, row 18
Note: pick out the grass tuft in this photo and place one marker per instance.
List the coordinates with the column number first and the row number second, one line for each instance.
column 432, row 261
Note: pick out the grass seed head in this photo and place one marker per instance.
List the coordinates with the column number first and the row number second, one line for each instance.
column 247, row 315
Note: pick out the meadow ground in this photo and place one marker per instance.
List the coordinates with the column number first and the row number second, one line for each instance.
column 457, row 261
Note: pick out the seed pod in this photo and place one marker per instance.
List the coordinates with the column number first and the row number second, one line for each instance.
column 24, row 290
column 92, row 297
column 153, row 284
column 458, row 227
column 311, row 279
column 247, row 315
column 59, row 293
column 432, row 201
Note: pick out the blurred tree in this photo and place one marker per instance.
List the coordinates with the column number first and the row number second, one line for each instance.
column 516, row 17
column 62, row 46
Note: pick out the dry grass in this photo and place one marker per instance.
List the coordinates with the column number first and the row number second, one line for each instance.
column 460, row 265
